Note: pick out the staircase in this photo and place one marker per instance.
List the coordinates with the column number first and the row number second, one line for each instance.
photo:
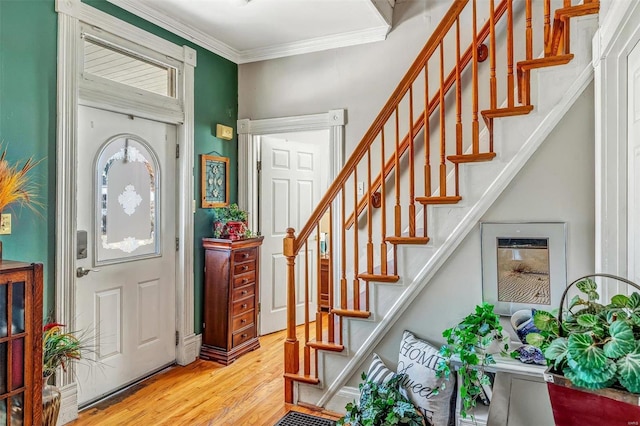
column 416, row 163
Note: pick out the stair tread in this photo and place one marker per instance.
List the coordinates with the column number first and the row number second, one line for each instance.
column 471, row 158
column 326, row 346
column 507, row 112
column 407, row 240
column 547, row 61
column 449, row 199
column 351, row 313
column 578, row 10
column 302, row 378
column 379, row 277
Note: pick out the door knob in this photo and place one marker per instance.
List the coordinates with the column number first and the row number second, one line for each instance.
column 81, row 272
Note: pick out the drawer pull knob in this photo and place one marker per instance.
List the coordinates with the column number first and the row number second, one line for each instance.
column 245, row 280
column 243, row 292
column 242, row 321
column 243, row 335
column 245, row 267
column 245, row 255
column 244, row 305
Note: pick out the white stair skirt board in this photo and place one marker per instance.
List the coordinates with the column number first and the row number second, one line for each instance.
column 516, row 140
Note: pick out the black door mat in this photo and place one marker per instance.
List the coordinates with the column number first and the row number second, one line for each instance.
column 293, row 418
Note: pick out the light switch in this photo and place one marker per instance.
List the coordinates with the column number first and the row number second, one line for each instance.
column 5, row 224
column 224, row 132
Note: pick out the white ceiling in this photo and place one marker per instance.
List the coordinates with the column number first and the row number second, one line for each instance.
column 248, row 31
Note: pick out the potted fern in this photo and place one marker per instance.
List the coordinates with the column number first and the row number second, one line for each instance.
column 593, row 354
column 472, row 344
column 230, row 222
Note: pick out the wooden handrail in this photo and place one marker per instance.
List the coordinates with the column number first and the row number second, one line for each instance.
column 433, row 105
column 389, row 108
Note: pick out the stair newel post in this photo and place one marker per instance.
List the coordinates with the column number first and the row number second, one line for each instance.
column 396, row 157
column 307, row 349
column 493, row 85
column 547, row 28
column 291, row 345
column 383, row 209
column 475, row 127
column 458, row 104
column 510, row 81
column 369, row 216
column 443, row 152
column 526, row 92
column 412, row 192
column 343, row 253
column 356, row 244
column 427, row 136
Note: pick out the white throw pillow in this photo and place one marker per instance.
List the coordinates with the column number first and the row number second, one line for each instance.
column 418, row 360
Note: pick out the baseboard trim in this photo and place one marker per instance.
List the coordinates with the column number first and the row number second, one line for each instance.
column 68, row 404
column 190, row 349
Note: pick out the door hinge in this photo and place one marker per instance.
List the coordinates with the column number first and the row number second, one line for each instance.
column 204, row 325
column 259, row 307
column 259, row 166
column 177, row 243
column 177, row 150
column 177, row 337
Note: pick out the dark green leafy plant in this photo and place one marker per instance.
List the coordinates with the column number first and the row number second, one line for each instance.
column 229, row 213
column 381, row 404
column 468, row 341
column 595, row 346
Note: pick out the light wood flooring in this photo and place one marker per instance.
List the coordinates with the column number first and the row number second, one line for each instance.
column 249, row 391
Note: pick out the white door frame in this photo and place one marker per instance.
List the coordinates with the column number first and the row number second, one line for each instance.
column 249, row 150
column 71, row 13
column 612, row 43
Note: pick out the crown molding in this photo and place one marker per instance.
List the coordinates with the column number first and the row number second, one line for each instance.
column 214, row 45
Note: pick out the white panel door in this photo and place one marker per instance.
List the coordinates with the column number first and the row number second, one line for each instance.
column 633, row 137
column 290, row 187
column 126, row 203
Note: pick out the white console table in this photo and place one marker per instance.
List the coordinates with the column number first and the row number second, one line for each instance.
column 519, row 397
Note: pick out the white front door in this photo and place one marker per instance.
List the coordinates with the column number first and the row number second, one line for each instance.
column 292, row 179
column 633, row 176
column 126, row 204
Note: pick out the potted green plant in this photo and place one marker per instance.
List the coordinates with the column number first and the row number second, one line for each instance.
column 472, row 344
column 230, row 222
column 594, row 347
column 381, row 404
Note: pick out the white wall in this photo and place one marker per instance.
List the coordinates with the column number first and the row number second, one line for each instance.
column 358, row 78
column 556, row 185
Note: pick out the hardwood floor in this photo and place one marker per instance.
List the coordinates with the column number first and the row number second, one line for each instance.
column 249, row 391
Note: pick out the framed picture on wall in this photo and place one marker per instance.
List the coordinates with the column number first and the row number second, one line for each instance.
column 523, row 265
column 214, row 173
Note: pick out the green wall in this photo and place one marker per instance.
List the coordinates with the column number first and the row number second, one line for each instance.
column 28, row 34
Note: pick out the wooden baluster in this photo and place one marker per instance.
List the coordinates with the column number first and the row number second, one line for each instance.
column 526, row 93
column 383, row 210
column 329, row 245
column 356, row 244
column 458, row 103
column 291, row 345
column 369, row 217
column 319, row 327
column 547, row 27
column 443, row 165
column 567, row 41
column 343, row 254
column 307, row 349
column 510, row 82
column 398, row 210
column 412, row 190
column 493, row 85
column 475, row 127
column 427, row 135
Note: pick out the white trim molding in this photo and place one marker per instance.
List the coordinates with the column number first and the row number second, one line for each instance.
column 249, row 132
column 71, row 15
column 206, row 41
column 612, row 44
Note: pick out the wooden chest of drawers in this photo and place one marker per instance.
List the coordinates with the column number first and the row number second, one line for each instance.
column 231, row 291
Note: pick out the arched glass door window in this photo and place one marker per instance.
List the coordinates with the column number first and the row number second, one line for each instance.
column 127, row 201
